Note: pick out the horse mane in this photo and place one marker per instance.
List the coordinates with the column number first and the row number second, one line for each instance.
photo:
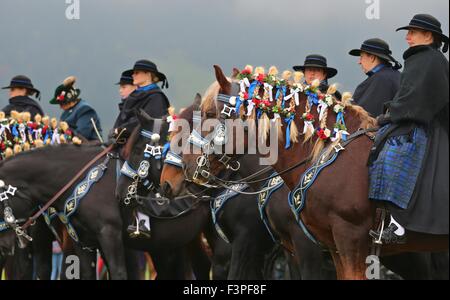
column 210, row 96
column 359, row 117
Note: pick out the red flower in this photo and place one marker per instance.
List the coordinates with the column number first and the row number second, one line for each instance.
column 321, row 134
column 44, row 130
column 267, row 103
column 261, row 78
column 245, row 96
column 60, row 97
column 2, row 146
column 174, row 117
column 246, row 72
column 309, row 117
column 321, row 96
column 256, row 101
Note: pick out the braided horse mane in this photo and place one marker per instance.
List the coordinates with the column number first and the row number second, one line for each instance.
column 356, row 116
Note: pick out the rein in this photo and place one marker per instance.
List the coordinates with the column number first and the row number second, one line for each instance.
column 339, row 147
column 33, row 218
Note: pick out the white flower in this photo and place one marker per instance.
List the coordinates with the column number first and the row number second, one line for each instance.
column 338, row 108
column 329, row 100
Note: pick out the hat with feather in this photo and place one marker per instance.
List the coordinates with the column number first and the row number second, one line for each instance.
column 66, row 92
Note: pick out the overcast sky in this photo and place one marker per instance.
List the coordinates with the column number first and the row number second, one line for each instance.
column 185, row 38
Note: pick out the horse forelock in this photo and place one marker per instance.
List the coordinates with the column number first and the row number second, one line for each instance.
column 187, row 115
column 209, row 99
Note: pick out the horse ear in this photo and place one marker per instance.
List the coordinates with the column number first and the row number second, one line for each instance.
column 197, row 100
column 225, row 85
column 235, row 73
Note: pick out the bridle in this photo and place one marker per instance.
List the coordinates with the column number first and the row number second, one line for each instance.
column 139, row 174
column 11, row 222
column 203, row 162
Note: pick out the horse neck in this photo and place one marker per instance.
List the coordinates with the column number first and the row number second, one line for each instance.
column 355, row 118
column 45, row 171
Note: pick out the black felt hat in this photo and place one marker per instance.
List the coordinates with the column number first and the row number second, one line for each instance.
column 317, row 61
column 379, row 48
column 428, row 23
column 22, row 81
column 148, row 66
column 126, row 78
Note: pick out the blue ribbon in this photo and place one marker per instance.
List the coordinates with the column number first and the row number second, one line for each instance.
column 313, row 98
column 166, row 149
column 284, row 89
column 259, row 114
column 251, row 89
column 238, row 105
column 340, row 120
column 288, row 130
column 149, row 87
column 15, row 132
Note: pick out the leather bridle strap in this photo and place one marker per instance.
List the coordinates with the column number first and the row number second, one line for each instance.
column 67, row 186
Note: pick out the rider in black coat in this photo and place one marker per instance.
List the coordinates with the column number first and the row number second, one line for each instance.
column 148, row 96
column 423, row 100
column 383, row 79
column 21, row 89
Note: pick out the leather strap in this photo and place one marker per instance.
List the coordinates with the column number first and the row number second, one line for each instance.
column 66, row 187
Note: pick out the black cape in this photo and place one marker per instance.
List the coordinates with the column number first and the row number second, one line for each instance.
column 376, row 90
column 423, row 99
column 21, row 104
column 154, row 103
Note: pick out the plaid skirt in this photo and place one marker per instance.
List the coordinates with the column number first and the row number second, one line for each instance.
column 393, row 176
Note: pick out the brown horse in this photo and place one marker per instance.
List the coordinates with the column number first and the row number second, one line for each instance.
column 338, row 212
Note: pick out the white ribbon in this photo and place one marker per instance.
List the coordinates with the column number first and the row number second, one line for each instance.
column 250, row 107
column 23, row 135
column 244, row 83
column 338, row 134
column 294, row 93
column 269, row 89
column 171, row 122
column 275, row 117
column 308, row 127
column 55, row 138
column 38, row 134
column 322, row 109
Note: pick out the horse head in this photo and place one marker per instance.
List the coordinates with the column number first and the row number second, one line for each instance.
column 173, row 182
column 142, row 168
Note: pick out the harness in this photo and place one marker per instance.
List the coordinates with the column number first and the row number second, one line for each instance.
column 297, row 198
column 11, row 191
column 263, row 200
column 140, row 175
column 79, row 192
column 218, row 203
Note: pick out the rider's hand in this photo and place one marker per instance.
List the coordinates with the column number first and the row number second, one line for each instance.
column 383, row 120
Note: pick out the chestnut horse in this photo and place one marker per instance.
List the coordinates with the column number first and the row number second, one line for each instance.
column 338, row 212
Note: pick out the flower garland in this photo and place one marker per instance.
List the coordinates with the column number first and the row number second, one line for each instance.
column 279, row 99
column 19, row 133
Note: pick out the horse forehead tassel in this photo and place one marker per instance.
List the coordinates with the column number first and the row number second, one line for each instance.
column 155, row 137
